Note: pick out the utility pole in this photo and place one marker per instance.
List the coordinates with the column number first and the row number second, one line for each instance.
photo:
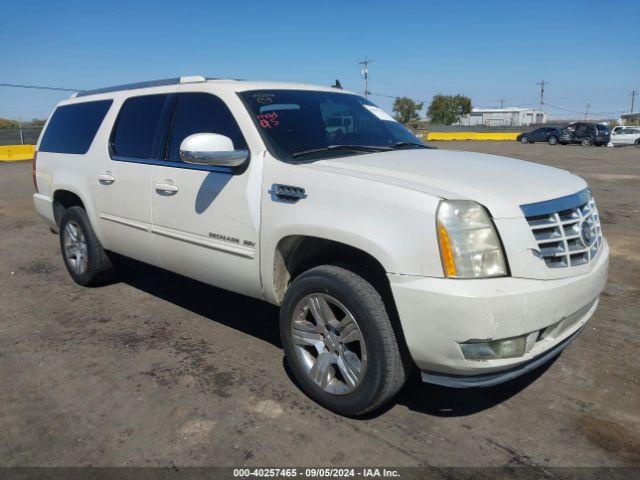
column 21, row 132
column 586, row 112
column 542, row 84
column 501, row 100
column 365, row 73
column 633, row 97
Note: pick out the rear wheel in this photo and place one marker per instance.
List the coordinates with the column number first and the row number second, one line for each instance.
column 85, row 259
column 553, row 140
column 339, row 341
column 586, row 142
column 637, row 144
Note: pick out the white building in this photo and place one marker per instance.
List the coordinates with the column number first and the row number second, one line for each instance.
column 630, row 119
column 503, row 117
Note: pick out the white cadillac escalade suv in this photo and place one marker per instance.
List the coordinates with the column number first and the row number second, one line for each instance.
column 382, row 253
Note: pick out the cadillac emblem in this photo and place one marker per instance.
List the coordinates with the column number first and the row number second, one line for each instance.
column 587, row 233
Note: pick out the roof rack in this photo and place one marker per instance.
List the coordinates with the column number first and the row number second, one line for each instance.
column 151, row 83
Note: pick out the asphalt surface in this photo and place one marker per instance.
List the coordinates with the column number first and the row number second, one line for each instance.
column 160, row 370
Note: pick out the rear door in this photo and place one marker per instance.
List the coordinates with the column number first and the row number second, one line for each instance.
column 629, row 135
column 634, row 134
column 124, row 176
column 206, row 218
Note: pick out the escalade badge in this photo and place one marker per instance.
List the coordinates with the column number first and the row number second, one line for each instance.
column 586, row 234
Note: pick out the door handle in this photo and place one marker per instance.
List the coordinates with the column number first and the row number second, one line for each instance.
column 166, row 188
column 106, row 178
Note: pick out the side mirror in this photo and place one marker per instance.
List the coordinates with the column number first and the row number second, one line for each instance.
column 211, row 149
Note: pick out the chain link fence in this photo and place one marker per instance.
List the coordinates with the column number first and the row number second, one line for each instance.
column 20, row 136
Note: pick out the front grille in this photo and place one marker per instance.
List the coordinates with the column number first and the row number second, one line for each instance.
column 567, row 230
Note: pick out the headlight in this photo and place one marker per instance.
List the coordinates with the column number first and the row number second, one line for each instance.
column 469, row 243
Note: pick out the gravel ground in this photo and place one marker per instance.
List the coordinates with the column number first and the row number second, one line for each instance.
column 160, row 370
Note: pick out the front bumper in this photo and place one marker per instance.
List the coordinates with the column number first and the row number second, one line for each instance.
column 437, row 314
column 501, row 376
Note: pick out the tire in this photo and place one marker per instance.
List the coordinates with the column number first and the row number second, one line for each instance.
column 524, row 139
column 374, row 359
column 553, row 140
column 637, row 144
column 85, row 259
column 586, row 142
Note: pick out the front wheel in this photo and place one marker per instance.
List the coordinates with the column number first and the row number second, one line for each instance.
column 552, row 140
column 339, row 341
column 524, row 139
column 637, row 144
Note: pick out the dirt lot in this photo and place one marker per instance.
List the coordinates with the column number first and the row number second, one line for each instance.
column 160, row 370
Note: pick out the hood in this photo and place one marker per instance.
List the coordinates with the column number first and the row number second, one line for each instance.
column 499, row 183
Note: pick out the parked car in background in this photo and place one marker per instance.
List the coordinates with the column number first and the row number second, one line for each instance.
column 544, row 134
column 625, row 136
column 586, row 134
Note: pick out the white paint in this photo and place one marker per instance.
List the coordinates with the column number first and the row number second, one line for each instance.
column 224, row 229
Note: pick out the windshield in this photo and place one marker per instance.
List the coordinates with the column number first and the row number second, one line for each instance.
column 297, row 124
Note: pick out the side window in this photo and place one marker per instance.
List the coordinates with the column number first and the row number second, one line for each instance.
column 136, row 129
column 73, row 127
column 202, row 113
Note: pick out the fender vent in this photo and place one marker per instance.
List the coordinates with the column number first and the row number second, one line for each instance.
column 287, row 193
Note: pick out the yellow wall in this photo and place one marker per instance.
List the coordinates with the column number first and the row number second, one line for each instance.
column 13, row 153
column 472, row 135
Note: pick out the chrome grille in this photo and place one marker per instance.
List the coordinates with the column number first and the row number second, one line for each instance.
column 567, row 229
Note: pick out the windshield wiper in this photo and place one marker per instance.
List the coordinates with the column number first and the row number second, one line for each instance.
column 400, row 145
column 353, row 148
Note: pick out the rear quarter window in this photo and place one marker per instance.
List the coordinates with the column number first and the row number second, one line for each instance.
column 72, row 128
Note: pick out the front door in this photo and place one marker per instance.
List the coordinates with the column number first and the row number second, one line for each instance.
column 206, row 219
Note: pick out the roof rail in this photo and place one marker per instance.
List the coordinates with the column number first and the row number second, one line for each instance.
column 151, row 83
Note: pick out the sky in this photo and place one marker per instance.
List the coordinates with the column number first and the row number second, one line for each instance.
column 587, row 51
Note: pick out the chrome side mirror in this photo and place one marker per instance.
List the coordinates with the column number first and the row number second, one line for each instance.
column 211, row 149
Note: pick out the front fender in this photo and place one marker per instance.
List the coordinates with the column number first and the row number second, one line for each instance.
column 394, row 225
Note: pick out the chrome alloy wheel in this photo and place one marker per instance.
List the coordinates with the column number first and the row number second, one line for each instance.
column 75, row 247
column 329, row 343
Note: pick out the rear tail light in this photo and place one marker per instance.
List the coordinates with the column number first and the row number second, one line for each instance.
column 33, row 170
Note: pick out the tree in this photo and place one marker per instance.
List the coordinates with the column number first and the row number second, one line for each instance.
column 36, row 122
column 6, row 123
column 406, row 110
column 447, row 109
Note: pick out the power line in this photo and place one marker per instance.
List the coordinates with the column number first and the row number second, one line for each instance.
column 38, row 87
column 382, row 95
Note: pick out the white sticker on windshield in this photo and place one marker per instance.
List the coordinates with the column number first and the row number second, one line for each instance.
column 378, row 112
